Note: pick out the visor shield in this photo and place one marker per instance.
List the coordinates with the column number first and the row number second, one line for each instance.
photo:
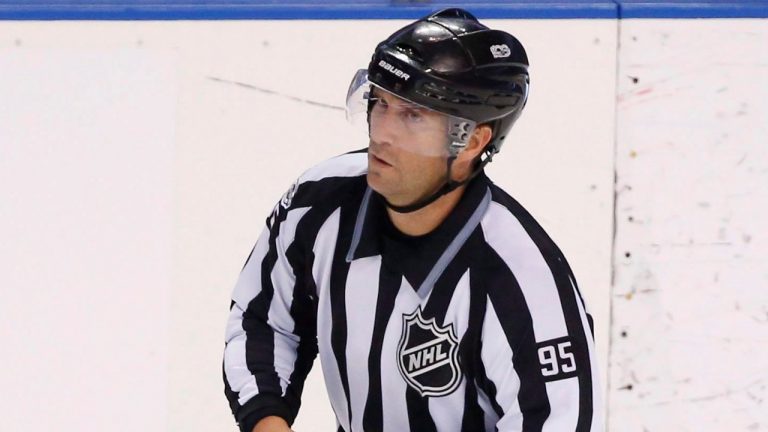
column 390, row 119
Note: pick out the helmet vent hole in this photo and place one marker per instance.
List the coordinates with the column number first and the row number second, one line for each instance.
column 443, row 93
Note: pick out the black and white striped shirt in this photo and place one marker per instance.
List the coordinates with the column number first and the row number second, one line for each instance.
column 476, row 326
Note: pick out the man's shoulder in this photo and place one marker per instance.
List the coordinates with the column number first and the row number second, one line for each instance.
column 348, row 165
column 515, row 242
column 511, row 224
column 324, row 183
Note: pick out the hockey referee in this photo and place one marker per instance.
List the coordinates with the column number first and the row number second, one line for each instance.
column 434, row 300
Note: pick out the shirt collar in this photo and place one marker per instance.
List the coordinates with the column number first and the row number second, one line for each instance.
column 369, row 224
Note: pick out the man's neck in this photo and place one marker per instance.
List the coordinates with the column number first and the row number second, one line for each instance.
column 425, row 220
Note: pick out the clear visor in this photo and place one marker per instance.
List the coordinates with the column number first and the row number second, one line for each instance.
column 392, row 120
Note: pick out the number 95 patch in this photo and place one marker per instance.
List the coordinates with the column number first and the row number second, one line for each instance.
column 557, row 359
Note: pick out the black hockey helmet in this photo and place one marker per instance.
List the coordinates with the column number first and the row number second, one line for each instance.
column 451, row 63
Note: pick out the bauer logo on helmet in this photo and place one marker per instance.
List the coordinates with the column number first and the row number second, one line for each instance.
column 397, row 72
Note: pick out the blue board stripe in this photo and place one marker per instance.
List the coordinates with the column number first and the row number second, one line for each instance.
column 677, row 10
column 313, row 11
column 371, row 9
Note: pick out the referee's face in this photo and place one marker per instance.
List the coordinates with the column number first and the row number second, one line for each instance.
column 408, row 149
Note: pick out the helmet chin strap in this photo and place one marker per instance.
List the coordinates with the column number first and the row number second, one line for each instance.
column 448, row 186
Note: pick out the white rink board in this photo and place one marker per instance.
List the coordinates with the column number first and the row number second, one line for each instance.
column 86, row 208
column 222, row 154
column 690, row 302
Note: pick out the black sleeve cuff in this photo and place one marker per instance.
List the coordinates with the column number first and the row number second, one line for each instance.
column 260, row 406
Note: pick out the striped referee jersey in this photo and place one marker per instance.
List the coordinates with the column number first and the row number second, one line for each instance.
column 476, row 326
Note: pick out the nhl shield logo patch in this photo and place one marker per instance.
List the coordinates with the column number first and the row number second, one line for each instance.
column 427, row 356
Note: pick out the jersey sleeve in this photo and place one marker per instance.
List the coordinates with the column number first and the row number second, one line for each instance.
column 270, row 339
column 537, row 343
column 538, row 382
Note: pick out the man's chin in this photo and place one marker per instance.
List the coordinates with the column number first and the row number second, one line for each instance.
column 376, row 183
column 380, row 185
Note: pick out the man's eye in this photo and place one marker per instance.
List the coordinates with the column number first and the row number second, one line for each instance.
column 413, row 115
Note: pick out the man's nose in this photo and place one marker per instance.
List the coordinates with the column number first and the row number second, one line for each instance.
column 384, row 129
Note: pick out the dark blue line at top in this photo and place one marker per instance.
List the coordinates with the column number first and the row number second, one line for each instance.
column 693, row 9
column 286, row 10
column 370, row 9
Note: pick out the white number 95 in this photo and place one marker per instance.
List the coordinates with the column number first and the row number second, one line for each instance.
column 555, row 361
